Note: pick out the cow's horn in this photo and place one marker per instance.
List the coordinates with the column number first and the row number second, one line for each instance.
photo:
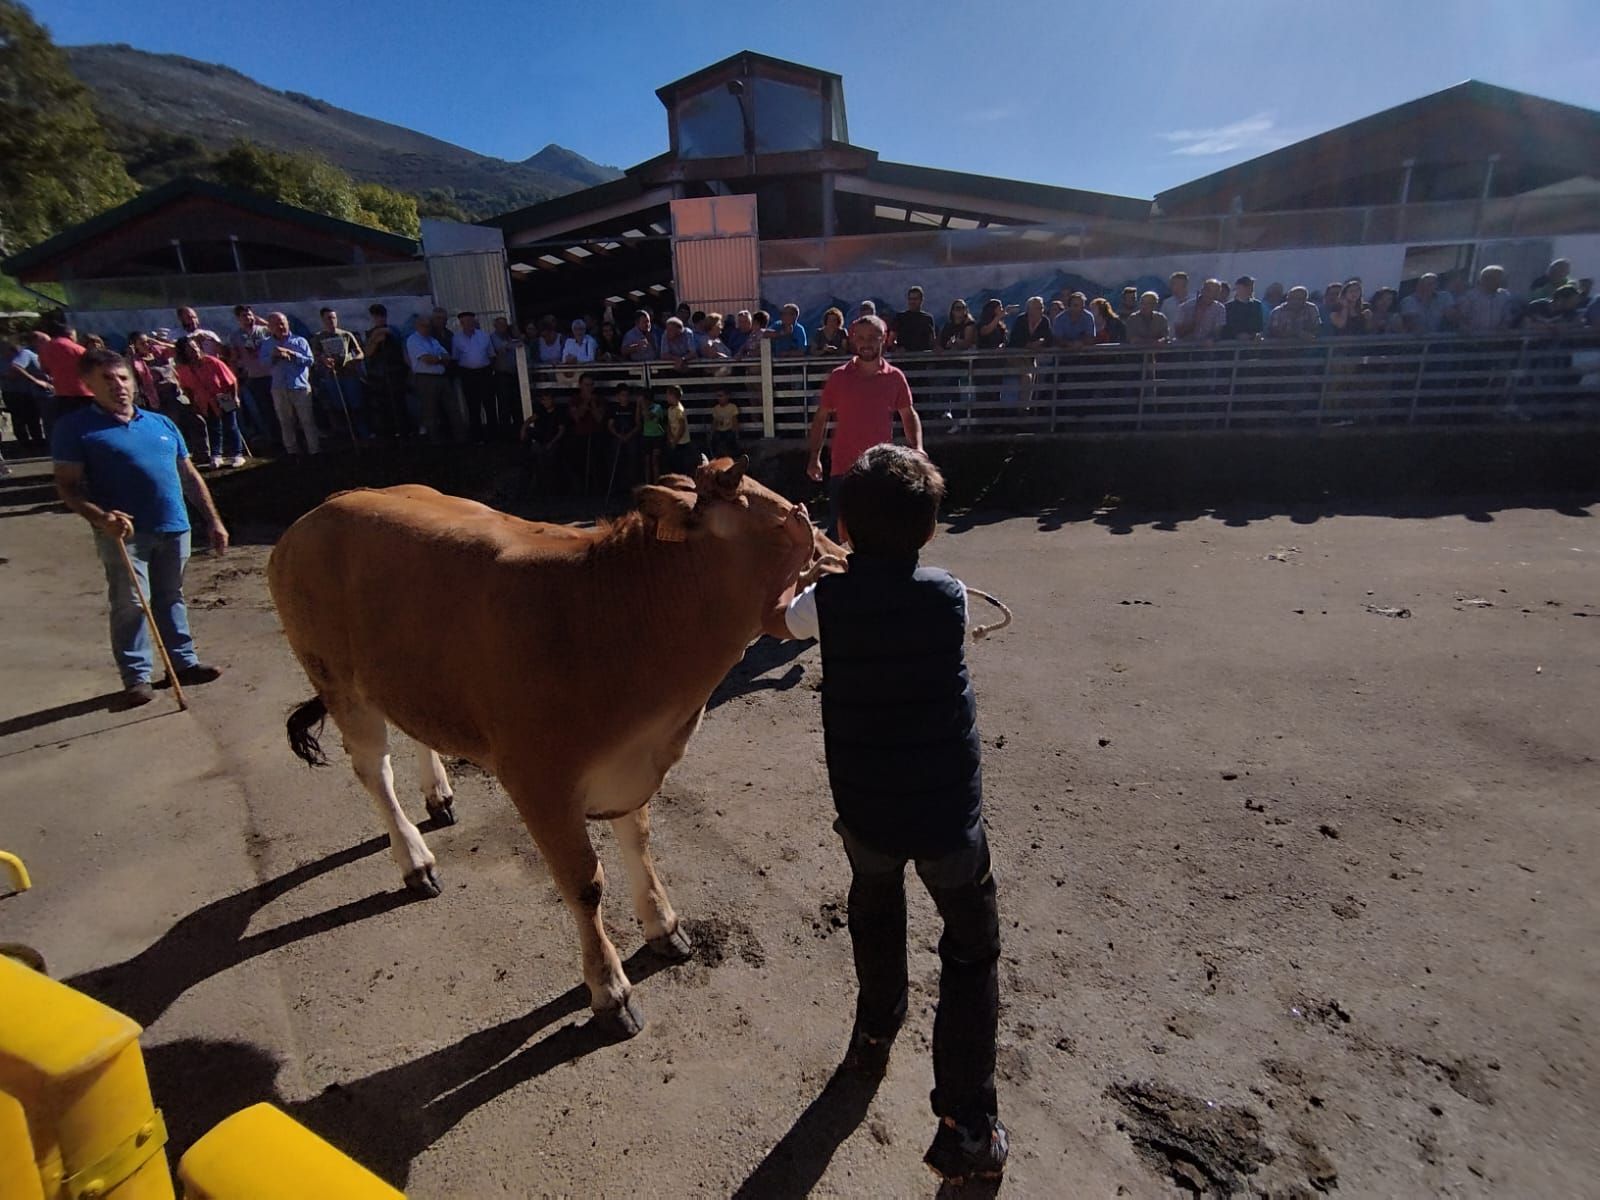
column 704, row 461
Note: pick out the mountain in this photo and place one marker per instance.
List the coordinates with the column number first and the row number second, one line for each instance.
column 164, row 112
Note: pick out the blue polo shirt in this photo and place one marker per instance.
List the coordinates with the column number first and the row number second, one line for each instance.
column 131, row 467
column 294, row 374
column 793, row 339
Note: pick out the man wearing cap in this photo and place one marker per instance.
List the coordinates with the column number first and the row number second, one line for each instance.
column 1245, row 319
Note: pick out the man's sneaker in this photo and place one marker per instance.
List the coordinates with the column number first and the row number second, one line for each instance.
column 137, row 694
column 236, row 461
column 868, row 1054
column 958, row 1155
column 199, row 673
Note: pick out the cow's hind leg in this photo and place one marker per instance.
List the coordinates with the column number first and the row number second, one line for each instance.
column 577, row 873
column 436, row 791
column 650, row 901
column 366, row 740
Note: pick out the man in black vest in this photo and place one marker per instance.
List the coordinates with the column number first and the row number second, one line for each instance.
column 900, row 729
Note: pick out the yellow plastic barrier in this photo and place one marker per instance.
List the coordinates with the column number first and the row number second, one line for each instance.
column 74, row 1067
column 19, row 1177
column 18, row 872
column 262, row 1154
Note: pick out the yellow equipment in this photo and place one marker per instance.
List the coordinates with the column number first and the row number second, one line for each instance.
column 74, row 1067
column 261, row 1154
column 77, row 1121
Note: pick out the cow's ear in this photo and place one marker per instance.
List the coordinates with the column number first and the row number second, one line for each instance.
column 726, row 483
column 671, row 511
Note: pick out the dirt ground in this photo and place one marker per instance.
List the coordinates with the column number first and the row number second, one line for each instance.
column 1298, row 893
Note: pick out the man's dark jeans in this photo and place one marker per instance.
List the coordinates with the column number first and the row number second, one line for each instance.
column 963, row 889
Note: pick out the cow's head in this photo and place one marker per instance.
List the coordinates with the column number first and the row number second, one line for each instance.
column 772, row 537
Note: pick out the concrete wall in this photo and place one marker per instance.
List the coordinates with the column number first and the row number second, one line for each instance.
column 1314, row 267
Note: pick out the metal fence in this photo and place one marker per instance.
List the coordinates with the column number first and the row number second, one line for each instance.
column 1243, row 385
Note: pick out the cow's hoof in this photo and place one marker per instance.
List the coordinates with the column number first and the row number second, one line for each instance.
column 674, row 947
column 444, row 815
column 623, row 1022
column 424, row 881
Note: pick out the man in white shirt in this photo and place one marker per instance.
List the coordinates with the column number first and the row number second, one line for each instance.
column 580, row 347
column 204, row 340
column 473, row 351
column 435, row 394
column 1171, row 307
column 1488, row 307
column 1201, row 318
column 1427, row 309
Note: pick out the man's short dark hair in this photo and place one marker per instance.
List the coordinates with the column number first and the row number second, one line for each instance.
column 468, row 313
column 889, row 500
column 326, row 312
column 239, row 310
column 135, row 336
column 377, row 310
column 914, row 290
column 91, row 361
column 621, row 387
column 761, row 317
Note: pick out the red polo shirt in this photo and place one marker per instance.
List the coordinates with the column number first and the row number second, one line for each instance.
column 863, row 405
column 59, row 357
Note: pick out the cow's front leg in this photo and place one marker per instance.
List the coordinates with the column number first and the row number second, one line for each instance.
column 577, row 872
column 650, row 901
column 436, row 791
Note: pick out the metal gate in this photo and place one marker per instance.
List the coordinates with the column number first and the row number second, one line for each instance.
column 716, row 259
column 467, row 269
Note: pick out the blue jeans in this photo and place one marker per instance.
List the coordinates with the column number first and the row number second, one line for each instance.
column 222, row 431
column 158, row 559
column 349, row 388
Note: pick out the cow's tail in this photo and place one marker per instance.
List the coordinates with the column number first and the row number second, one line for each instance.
column 305, row 729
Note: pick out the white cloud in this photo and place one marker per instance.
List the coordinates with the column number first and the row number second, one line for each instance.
column 1259, row 133
column 991, row 116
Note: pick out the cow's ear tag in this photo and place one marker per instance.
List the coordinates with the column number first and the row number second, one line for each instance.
column 667, row 532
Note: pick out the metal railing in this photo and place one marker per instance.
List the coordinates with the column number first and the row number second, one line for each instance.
column 356, row 281
column 1381, row 381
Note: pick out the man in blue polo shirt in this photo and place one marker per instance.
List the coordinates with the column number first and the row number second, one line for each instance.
column 126, row 471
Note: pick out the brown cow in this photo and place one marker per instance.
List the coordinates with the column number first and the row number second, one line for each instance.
column 574, row 665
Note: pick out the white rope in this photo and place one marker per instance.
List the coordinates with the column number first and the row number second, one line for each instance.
column 982, row 631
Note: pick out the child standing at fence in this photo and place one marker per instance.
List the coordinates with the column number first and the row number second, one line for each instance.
column 655, row 437
column 899, row 728
column 679, row 455
column 724, row 427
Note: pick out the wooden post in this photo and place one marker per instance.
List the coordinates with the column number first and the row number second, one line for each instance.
column 769, row 420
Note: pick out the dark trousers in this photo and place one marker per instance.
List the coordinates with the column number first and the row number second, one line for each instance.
column 27, row 425
column 477, row 389
column 387, row 399
column 508, row 402
column 963, row 889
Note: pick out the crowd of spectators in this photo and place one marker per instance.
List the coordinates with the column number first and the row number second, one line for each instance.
column 262, row 386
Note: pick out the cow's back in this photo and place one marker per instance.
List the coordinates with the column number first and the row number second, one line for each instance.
column 399, row 596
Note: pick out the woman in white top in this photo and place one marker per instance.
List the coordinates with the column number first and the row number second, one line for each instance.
column 580, row 347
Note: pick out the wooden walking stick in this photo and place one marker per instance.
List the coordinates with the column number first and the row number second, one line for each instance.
column 155, row 630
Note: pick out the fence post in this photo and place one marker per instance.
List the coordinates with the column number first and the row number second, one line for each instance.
column 1147, row 370
column 1322, row 393
column 769, row 420
column 1233, row 384
column 524, row 385
column 1416, row 389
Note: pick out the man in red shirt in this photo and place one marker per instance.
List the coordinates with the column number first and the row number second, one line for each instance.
column 864, row 394
column 59, row 357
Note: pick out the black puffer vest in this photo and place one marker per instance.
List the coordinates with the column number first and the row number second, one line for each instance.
column 899, row 719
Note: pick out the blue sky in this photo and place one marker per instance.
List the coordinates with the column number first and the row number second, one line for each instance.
column 1077, row 94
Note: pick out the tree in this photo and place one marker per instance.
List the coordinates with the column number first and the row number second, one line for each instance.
column 55, row 166
column 313, row 183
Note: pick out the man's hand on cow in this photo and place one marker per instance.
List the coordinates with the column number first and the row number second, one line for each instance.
column 814, row 469
column 827, row 564
column 117, row 524
column 217, row 535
